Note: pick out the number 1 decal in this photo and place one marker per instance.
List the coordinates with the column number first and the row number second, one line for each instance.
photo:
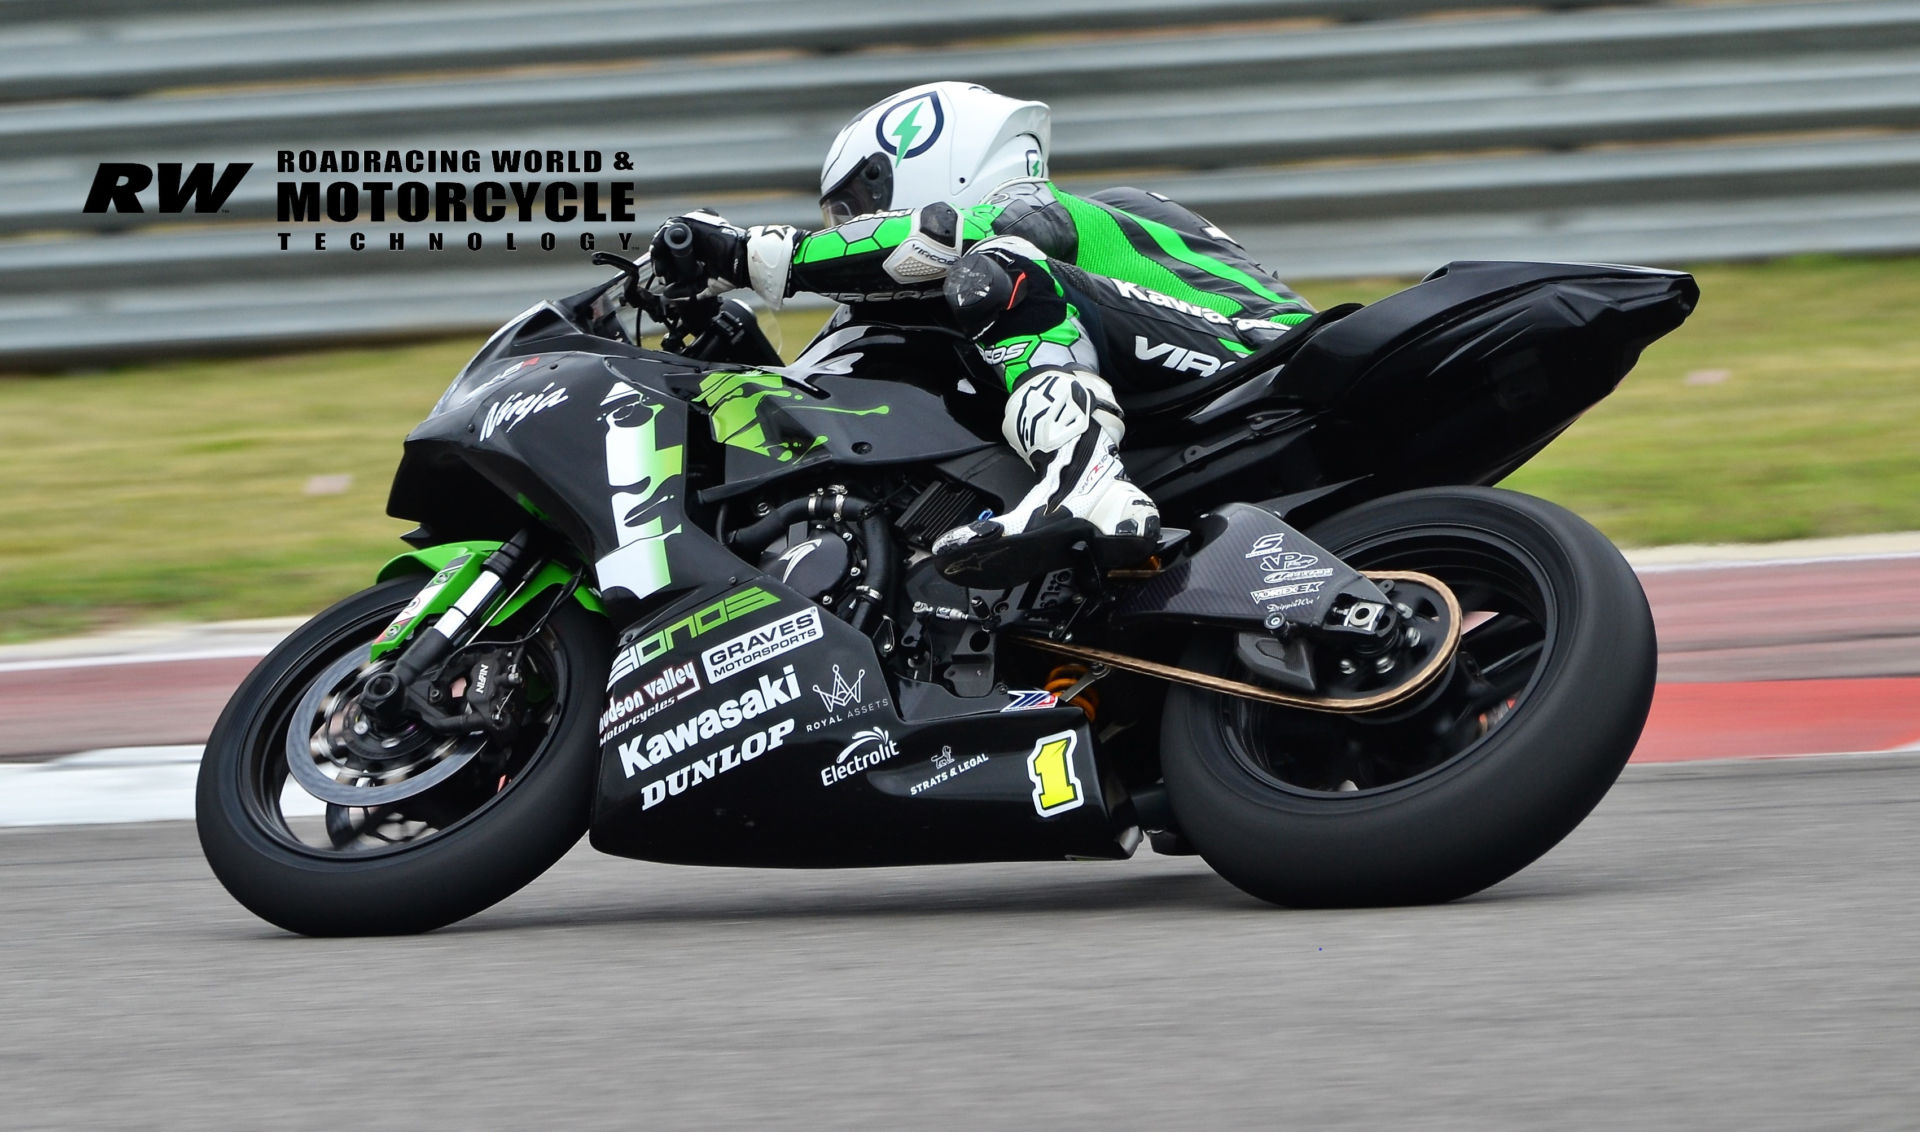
column 1056, row 786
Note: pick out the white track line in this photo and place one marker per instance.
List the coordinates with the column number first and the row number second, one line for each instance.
column 110, row 786
column 105, row 660
column 1750, row 563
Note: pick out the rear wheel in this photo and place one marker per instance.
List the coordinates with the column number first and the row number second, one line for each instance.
column 324, row 830
column 1470, row 782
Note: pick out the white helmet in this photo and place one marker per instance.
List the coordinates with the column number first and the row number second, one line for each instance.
column 953, row 142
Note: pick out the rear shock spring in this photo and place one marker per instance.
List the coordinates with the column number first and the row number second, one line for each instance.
column 1071, row 679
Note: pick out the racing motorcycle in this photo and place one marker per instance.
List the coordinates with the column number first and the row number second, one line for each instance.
column 682, row 599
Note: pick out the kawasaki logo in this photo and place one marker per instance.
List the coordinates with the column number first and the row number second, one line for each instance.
column 1176, row 358
column 714, row 765
column 909, row 127
column 650, row 647
column 1136, row 291
column 637, row 754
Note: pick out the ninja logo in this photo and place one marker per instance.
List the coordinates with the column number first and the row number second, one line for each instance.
column 909, row 127
column 118, row 184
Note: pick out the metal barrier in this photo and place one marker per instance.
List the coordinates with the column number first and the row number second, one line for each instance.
column 1334, row 137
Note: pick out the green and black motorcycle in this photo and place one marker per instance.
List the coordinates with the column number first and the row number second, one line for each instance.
column 682, row 599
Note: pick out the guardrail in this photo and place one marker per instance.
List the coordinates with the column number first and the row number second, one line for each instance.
column 1334, row 137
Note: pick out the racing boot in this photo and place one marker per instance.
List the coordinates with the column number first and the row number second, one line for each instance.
column 1065, row 424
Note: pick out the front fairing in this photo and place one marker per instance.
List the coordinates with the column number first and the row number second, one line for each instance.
column 594, row 445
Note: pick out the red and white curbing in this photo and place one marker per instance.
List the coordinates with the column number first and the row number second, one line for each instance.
column 1690, row 722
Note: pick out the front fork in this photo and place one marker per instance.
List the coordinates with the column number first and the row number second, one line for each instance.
column 392, row 696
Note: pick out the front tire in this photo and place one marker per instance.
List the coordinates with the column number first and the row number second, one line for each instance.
column 418, row 864
column 1530, row 729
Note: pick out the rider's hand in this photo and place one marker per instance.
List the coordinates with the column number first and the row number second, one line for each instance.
column 716, row 261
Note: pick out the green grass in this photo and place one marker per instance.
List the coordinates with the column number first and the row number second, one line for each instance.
column 178, row 490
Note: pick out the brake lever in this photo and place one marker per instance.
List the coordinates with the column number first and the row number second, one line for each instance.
column 637, row 296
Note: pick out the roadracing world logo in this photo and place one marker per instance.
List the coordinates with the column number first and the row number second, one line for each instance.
column 471, row 198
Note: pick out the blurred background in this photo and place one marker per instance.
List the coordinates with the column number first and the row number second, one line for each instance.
column 1352, row 145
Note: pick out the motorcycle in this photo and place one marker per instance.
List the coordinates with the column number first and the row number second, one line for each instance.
column 682, row 600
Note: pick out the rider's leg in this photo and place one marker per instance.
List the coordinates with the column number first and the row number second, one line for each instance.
column 1061, row 416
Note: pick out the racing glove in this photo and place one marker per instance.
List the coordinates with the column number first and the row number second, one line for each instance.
column 721, row 256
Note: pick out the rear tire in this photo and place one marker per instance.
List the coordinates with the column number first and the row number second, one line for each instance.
column 1455, row 821
column 480, row 858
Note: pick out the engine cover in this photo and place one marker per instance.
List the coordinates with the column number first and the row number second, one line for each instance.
column 813, row 567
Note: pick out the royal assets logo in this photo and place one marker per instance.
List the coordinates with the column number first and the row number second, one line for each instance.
column 471, row 198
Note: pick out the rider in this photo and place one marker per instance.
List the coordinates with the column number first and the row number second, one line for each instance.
column 940, row 192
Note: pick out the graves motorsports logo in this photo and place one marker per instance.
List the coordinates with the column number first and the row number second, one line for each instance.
column 471, row 195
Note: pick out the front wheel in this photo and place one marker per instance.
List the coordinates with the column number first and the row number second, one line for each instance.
column 1475, row 779
column 325, row 830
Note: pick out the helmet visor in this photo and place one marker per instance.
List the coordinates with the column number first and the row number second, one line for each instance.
column 867, row 188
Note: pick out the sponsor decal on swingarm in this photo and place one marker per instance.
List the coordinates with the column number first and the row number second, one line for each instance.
column 1289, row 560
column 1287, row 591
column 714, row 765
column 1299, row 575
column 656, row 644
column 642, row 752
column 1266, row 544
column 758, row 645
column 673, row 684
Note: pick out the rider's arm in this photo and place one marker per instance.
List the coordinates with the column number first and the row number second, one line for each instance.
column 884, row 255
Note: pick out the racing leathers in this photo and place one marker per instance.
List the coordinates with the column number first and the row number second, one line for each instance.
column 1076, row 301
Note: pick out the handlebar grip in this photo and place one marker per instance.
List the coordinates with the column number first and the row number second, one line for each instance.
column 677, row 238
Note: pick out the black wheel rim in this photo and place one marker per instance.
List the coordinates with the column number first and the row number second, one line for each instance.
column 1510, row 630
column 486, row 771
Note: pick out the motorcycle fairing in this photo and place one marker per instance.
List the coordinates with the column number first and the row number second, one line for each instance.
column 1248, row 567
column 815, row 414
column 1460, row 377
column 752, row 728
column 623, row 505
column 772, row 425
column 1457, row 380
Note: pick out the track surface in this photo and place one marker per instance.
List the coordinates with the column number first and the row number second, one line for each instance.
column 1720, row 946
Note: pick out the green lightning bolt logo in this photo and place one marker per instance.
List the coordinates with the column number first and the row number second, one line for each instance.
column 906, row 131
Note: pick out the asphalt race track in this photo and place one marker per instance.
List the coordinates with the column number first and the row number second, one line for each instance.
column 1725, row 945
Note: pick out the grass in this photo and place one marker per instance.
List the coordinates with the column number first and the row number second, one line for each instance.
column 1788, row 406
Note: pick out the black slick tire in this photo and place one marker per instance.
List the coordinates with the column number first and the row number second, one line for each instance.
column 448, row 877
column 1501, row 803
